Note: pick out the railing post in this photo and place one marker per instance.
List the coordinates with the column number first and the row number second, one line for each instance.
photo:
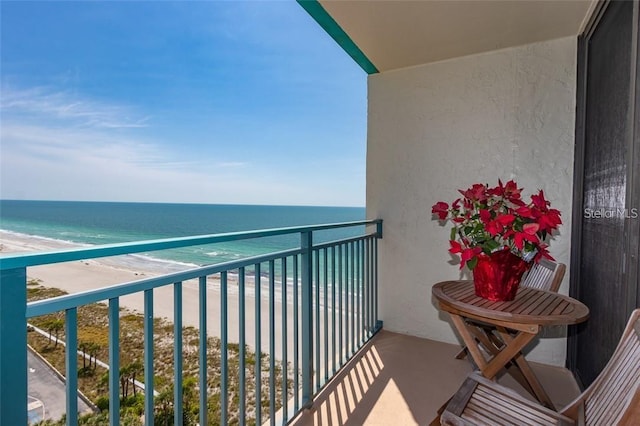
column 306, row 244
column 378, row 322
column 148, row 357
column 13, row 341
column 114, row 361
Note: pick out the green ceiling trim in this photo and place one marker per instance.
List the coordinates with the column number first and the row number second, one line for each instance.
column 317, row 12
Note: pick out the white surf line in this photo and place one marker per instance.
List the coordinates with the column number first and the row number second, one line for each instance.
column 140, row 385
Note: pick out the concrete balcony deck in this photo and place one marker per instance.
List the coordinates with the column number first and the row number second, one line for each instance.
column 403, row 380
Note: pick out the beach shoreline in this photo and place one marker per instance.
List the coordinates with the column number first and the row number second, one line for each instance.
column 78, row 276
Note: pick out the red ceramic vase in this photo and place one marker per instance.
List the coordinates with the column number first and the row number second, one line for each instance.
column 497, row 276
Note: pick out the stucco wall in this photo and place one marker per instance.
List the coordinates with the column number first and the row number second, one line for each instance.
column 438, row 127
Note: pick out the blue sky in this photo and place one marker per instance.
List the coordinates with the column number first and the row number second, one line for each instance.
column 204, row 102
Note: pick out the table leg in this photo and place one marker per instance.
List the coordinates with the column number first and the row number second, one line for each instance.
column 499, row 358
column 508, row 352
column 511, row 350
column 527, row 372
column 483, row 336
column 469, row 340
column 493, row 345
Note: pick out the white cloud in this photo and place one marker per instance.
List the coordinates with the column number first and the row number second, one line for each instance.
column 39, row 162
column 82, row 164
column 55, row 147
column 61, row 105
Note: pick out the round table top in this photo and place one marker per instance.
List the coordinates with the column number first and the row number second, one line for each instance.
column 530, row 306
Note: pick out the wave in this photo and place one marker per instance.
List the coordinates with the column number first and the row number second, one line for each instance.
column 145, row 263
column 46, row 239
column 225, row 254
column 135, row 261
column 149, row 263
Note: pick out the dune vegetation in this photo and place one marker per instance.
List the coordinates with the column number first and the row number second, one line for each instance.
column 93, row 379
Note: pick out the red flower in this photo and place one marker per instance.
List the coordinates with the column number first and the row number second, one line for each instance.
column 521, row 237
column 455, row 247
column 506, row 219
column 477, row 192
column 468, row 254
column 539, row 201
column 441, row 209
column 550, row 220
column 543, row 252
column 485, row 216
column 525, row 211
column 487, row 219
column 498, row 225
column 511, row 191
column 530, row 228
column 494, row 228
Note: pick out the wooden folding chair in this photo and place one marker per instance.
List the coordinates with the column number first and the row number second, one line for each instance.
column 612, row 399
column 544, row 275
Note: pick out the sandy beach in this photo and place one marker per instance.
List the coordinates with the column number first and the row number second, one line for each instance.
column 79, row 276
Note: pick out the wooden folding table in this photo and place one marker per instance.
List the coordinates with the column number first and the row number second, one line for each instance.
column 517, row 322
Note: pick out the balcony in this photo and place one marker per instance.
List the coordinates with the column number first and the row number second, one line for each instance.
column 321, row 357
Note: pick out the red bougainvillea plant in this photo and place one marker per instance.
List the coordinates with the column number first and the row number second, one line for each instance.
column 486, row 220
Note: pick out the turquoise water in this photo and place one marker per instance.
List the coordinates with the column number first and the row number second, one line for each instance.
column 105, row 223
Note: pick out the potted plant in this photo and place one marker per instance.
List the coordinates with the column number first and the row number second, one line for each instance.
column 497, row 235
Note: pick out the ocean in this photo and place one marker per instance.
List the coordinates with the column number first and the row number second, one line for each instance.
column 95, row 223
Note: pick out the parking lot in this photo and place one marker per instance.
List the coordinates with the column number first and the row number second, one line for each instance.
column 46, row 392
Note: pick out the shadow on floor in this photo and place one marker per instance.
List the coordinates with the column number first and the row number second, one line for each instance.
column 403, row 380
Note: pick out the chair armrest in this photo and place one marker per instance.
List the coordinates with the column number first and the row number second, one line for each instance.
column 482, row 402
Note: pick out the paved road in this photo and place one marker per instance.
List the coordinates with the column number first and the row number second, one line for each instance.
column 46, row 392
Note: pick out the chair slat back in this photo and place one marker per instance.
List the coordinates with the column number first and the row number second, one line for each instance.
column 611, row 394
column 545, row 275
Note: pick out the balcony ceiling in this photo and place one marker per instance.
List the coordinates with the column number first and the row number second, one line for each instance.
column 397, row 34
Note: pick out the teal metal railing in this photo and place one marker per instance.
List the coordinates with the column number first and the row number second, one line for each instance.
column 326, row 295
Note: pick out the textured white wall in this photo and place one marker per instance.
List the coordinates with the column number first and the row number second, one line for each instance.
column 438, row 127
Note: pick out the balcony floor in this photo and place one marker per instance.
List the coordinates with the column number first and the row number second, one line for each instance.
column 403, row 380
